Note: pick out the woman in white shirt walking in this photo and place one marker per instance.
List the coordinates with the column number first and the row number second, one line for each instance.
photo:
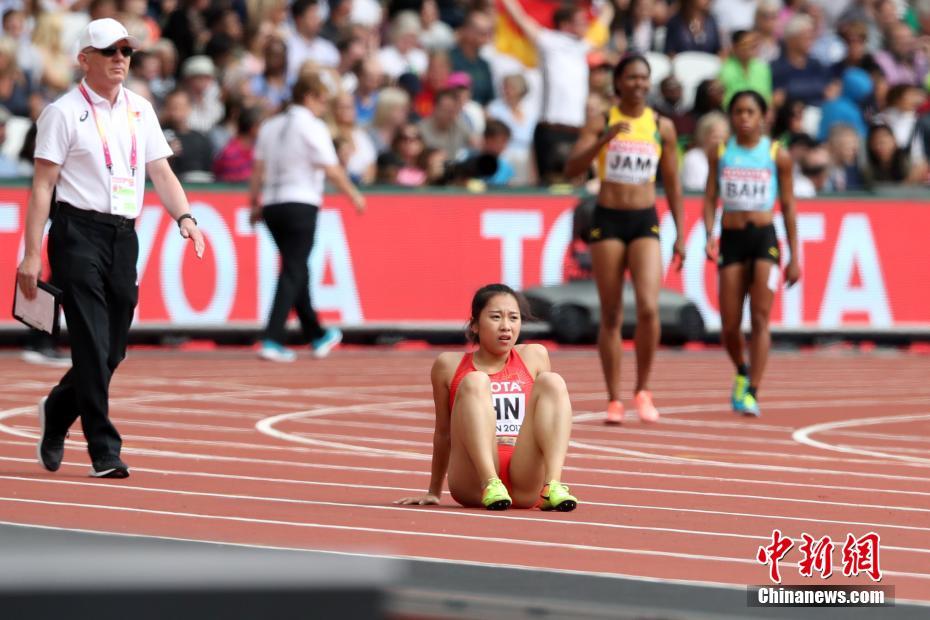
column 294, row 154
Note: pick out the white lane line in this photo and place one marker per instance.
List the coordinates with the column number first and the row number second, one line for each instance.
column 803, row 436
column 477, row 540
column 871, row 491
column 400, row 490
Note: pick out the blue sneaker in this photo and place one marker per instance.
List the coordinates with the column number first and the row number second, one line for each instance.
column 327, row 342
column 276, row 352
column 740, row 385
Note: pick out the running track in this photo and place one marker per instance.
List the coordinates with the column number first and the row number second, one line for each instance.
column 310, row 455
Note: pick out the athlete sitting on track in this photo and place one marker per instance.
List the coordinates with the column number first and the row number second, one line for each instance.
column 503, row 418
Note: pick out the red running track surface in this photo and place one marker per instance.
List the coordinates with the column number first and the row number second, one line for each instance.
column 227, row 448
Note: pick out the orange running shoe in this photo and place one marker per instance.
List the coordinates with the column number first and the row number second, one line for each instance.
column 644, row 407
column 614, row 412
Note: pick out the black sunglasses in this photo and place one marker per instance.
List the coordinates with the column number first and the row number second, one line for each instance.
column 109, row 52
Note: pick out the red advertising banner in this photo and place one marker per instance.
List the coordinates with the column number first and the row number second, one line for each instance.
column 418, row 258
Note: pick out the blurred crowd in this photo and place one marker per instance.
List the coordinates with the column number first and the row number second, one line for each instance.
column 422, row 93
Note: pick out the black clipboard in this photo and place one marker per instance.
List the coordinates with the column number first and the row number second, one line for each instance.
column 22, row 314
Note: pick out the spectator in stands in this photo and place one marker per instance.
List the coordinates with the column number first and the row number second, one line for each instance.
column 815, row 167
column 15, row 36
column 828, row 48
column 306, row 43
column 391, row 111
column 164, row 81
column 886, row 162
column 434, row 80
column 671, row 104
column 471, row 111
column 221, row 133
column 765, row 26
column 57, row 64
column 600, row 74
column 845, row 173
column 854, row 34
column 474, row 34
column 9, row 168
column 134, row 15
column 900, row 115
column 847, row 109
column 708, row 97
column 496, row 138
column 743, row 70
column 511, row 110
column 187, row 28
column 795, row 75
column 903, row 61
column 352, row 51
column 436, row 34
column 339, row 23
column 563, row 52
column 788, row 121
column 404, row 55
column 712, row 129
column 446, row 129
column 370, row 80
column 198, row 75
column 733, row 15
column 360, row 154
column 193, row 153
column 638, row 25
column 692, row 29
column 408, row 147
column 272, row 87
column 235, row 161
column 16, row 88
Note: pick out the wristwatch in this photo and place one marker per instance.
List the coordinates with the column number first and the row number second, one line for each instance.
column 187, row 216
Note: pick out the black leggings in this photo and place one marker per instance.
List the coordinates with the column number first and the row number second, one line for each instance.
column 292, row 225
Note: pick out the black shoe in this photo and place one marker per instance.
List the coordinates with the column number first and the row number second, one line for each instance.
column 110, row 469
column 50, row 449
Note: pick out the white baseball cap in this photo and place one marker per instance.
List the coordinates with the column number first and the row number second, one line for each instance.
column 102, row 33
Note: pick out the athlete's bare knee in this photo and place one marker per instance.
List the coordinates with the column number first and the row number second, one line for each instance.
column 611, row 321
column 646, row 313
column 551, row 382
column 475, row 383
column 759, row 320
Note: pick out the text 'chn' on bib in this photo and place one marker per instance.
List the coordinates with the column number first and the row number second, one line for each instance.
column 509, row 400
column 632, row 157
column 747, row 177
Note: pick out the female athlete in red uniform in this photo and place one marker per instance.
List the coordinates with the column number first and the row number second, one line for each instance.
column 503, row 418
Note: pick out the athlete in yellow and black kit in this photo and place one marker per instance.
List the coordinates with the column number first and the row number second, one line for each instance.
column 631, row 147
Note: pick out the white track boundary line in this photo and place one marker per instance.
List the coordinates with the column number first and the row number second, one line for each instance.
column 803, row 436
column 403, row 533
column 399, row 490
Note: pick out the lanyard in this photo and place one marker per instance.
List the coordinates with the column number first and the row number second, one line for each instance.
column 103, row 134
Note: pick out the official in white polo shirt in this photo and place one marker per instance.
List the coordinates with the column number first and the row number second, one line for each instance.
column 94, row 146
column 294, row 154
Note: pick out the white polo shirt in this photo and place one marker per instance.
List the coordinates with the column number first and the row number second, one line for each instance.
column 563, row 60
column 68, row 136
column 295, row 146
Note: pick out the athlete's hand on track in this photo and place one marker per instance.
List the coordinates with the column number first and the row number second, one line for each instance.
column 711, row 250
column 792, row 272
column 423, row 500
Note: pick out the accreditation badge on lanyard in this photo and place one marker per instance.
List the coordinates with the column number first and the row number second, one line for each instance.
column 123, row 198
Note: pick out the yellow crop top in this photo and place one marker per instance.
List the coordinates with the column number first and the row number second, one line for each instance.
column 632, row 157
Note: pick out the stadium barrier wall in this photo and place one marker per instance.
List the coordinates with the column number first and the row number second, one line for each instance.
column 416, row 258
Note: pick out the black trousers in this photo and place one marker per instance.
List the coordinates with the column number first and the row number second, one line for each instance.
column 94, row 262
column 552, row 144
column 293, row 226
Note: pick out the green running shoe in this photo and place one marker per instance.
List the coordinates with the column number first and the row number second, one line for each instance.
column 748, row 406
column 557, row 497
column 496, row 496
column 740, row 385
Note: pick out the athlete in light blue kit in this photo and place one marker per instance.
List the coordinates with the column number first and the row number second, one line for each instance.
column 745, row 175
